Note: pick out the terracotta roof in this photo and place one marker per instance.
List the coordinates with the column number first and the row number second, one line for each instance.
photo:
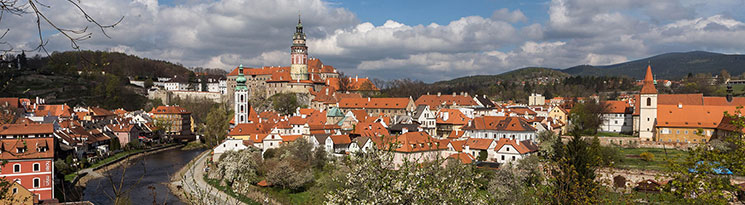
column 722, row 101
column 169, row 110
column 521, row 111
column 249, row 128
column 355, row 84
column 25, row 129
column 10, row 152
column 372, row 103
column 120, row 111
column 435, row 101
column 255, row 71
column 464, row 158
column 290, row 138
column 11, row 102
column 120, row 127
column 499, row 123
column 728, row 125
column 97, row 112
column 458, row 145
column 693, row 116
column 297, row 120
column 53, row 110
column 478, row 143
column 370, row 129
column 341, row 139
column 616, row 107
column 523, row 148
column 648, row 86
column 452, row 116
column 418, row 142
column 455, row 134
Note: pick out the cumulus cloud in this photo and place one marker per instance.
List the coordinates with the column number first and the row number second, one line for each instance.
column 225, row 33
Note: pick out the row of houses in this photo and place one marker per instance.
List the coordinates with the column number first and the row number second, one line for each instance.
column 38, row 133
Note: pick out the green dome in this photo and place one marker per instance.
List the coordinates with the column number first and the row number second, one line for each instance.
column 240, row 80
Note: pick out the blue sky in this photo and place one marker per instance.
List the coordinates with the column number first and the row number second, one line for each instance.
column 426, row 40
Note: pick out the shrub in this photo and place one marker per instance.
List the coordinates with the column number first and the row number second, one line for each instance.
column 646, row 156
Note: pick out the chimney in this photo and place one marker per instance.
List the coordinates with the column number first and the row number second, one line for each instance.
column 438, row 94
column 517, row 142
column 356, row 78
column 454, row 94
column 327, row 91
column 368, row 99
column 404, row 130
column 427, row 93
column 729, row 93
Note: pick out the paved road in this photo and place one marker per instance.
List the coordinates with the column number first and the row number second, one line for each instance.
column 201, row 192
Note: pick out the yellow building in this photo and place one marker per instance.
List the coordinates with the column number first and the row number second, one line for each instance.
column 18, row 194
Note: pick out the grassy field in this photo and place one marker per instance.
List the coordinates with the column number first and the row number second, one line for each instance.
column 631, row 159
column 112, row 158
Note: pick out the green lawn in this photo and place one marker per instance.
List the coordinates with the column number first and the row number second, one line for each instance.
column 631, row 159
column 112, row 158
column 611, row 134
column 70, row 177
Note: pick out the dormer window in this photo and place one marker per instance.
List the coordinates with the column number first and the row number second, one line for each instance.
column 20, row 150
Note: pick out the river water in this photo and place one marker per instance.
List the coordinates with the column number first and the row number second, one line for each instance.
column 154, row 170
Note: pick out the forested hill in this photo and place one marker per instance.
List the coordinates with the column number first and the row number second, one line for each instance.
column 672, row 66
column 528, row 73
column 76, row 78
column 119, row 64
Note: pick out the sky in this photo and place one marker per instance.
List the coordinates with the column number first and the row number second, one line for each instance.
column 390, row 39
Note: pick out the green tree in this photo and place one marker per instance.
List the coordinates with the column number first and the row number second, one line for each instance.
column 585, row 118
column 114, row 145
column 148, row 83
column 218, row 123
column 483, row 154
column 285, row 103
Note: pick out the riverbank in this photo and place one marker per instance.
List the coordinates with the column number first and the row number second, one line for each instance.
column 88, row 174
column 175, row 182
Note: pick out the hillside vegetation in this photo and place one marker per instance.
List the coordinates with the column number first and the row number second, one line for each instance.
column 86, row 78
column 673, row 66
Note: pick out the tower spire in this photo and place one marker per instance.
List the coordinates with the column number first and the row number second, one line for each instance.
column 648, row 83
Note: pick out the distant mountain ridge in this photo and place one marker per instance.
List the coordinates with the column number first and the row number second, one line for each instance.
column 672, row 66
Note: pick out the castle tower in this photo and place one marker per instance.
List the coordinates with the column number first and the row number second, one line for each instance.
column 647, row 107
column 241, row 98
column 299, row 54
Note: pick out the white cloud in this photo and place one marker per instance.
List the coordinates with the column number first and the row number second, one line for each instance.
column 225, row 33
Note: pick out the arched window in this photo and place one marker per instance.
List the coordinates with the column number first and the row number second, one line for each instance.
column 649, row 101
column 37, row 182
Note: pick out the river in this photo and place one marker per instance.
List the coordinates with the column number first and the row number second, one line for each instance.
column 150, row 170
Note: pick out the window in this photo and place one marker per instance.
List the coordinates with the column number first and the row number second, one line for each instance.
column 649, row 101
column 513, row 158
column 37, row 167
column 508, row 149
column 16, row 168
column 37, row 182
column 15, row 190
column 502, row 157
column 686, row 132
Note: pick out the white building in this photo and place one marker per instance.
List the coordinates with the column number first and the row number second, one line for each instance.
column 508, row 150
column 426, row 119
column 496, row 127
column 618, row 117
column 228, row 145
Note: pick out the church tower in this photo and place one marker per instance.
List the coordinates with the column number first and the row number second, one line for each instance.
column 647, row 107
column 299, row 54
column 241, row 98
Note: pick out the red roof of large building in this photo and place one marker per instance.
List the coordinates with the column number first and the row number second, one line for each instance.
column 692, row 116
column 447, row 100
column 616, row 107
column 30, row 146
column 499, row 123
column 26, row 129
column 11, row 102
column 374, row 103
column 417, row 142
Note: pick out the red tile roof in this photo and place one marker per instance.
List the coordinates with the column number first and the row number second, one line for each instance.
column 374, row 103
column 616, row 107
column 523, row 147
column 692, row 116
column 452, row 116
column 648, row 83
column 418, row 142
column 499, row 123
column 464, row 158
column 435, row 101
column 11, row 102
column 26, row 129
column 290, row 138
column 478, row 143
column 370, row 129
column 31, row 145
column 341, row 139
